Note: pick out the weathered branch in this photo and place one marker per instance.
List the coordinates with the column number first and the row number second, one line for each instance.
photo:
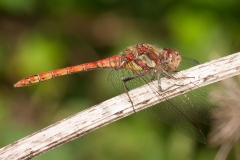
column 116, row 108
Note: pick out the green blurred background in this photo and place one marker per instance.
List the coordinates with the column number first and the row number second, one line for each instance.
column 37, row 36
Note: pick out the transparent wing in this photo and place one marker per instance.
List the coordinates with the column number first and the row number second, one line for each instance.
column 187, row 63
column 115, row 79
column 169, row 113
column 179, row 112
column 197, row 104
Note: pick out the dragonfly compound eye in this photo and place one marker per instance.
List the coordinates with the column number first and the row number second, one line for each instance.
column 173, row 57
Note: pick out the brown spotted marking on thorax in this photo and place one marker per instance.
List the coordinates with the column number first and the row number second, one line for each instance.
column 138, row 57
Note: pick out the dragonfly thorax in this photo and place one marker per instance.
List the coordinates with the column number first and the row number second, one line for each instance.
column 170, row 59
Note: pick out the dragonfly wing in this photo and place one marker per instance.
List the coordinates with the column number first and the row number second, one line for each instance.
column 169, row 113
column 115, row 79
column 179, row 111
column 187, row 63
column 197, row 105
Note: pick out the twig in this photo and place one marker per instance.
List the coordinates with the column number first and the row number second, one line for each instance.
column 116, row 108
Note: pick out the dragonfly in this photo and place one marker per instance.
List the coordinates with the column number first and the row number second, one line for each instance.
column 138, row 65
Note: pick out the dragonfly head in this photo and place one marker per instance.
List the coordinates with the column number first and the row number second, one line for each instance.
column 171, row 59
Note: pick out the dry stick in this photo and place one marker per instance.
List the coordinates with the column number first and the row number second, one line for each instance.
column 116, row 108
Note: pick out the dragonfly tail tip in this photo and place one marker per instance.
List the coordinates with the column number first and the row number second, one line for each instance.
column 18, row 84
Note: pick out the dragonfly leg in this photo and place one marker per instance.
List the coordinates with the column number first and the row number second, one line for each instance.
column 159, row 82
column 182, row 77
column 172, row 77
column 160, row 85
column 167, row 75
column 154, row 75
column 126, row 79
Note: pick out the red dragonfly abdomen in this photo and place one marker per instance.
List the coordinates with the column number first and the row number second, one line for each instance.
column 111, row 62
